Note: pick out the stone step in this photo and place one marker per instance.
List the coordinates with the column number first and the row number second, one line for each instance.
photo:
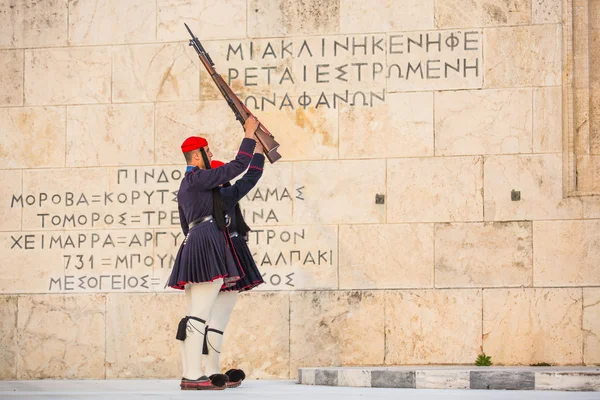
column 456, row 377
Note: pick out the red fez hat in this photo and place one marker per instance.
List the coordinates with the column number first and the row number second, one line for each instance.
column 216, row 164
column 193, row 143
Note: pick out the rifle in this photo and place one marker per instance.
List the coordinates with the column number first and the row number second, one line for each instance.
column 240, row 111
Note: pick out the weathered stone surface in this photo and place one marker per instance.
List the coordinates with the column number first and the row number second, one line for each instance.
column 212, row 120
column 324, row 185
column 484, row 254
column 33, row 24
column 68, row 76
column 354, row 378
column 538, row 178
column 8, row 337
column 289, row 18
column 11, row 77
column 393, row 379
column 442, row 379
column 567, row 381
column 386, row 256
column 310, row 134
column 32, row 137
column 385, row 16
column 435, row 60
column 306, row 376
column 110, row 135
column 432, row 327
column 61, row 337
column 566, row 253
column 418, row 189
column 502, row 380
column 591, row 326
column 111, row 21
column 546, row 11
column 483, row 122
column 523, row 56
column 402, row 127
column 547, row 119
column 139, row 343
column 257, row 338
column 326, row 378
column 296, row 257
column 588, row 174
column 591, row 207
column 155, row 72
column 207, row 20
column 10, row 207
column 528, row 326
column 325, row 327
column 36, row 267
column 461, row 14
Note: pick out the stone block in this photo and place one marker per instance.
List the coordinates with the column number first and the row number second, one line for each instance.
column 11, row 77
column 10, row 206
column 324, row 185
column 326, row 326
column 61, row 337
column 418, row 189
column 32, row 137
column 523, row 56
column 432, row 326
column 155, row 72
column 402, row 127
column 324, row 377
column 140, row 335
column 546, row 11
column 111, row 22
column 207, row 20
column 538, row 178
column 29, row 24
column 386, row 256
column 354, row 378
column 528, row 326
column 591, row 326
column 588, row 174
column 483, row 122
column 393, row 379
column 484, row 254
column 547, row 120
column 292, row 18
column 458, row 14
column 435, row 60
column 359, row 16
column 8, row 335
column 591, row 207
column 502, row 380
column 257, row 338
column 431, row 379
column 567, row 381
column 110, row 135
column 566, row 253
column 78, row 75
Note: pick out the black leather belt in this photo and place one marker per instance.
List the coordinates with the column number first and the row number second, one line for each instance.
column 199, row 221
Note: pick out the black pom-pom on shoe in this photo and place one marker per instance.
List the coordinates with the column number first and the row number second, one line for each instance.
column 219, row 380
column 236, row 375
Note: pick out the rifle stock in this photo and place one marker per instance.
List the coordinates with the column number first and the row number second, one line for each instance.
column 241, row 112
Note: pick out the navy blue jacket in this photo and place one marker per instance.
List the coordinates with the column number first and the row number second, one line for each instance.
column 194, row 198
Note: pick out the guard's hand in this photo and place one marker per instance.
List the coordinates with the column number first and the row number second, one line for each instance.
column 251, row 126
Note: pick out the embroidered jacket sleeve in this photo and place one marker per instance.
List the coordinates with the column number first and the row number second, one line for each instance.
column 211, row 178
column 183, row 222
column 234, row 193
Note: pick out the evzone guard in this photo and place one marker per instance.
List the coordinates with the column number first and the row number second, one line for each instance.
column 206, row 263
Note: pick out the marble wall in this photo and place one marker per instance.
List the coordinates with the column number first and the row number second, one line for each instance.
column 418, row 215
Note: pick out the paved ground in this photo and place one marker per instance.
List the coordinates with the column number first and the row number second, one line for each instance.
column 250, row 390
